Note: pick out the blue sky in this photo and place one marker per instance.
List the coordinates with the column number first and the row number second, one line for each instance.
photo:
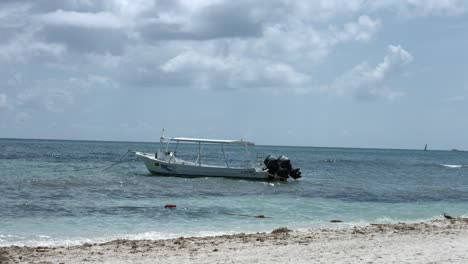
column 355, row 73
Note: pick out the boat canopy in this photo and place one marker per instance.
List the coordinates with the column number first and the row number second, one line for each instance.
column 214, row 141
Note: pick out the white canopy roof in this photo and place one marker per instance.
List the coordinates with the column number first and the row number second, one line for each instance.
column 215, row 141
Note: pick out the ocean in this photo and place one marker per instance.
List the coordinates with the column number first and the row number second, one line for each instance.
column 55, row 192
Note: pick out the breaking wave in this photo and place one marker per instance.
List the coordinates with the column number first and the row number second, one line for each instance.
column 453, row 166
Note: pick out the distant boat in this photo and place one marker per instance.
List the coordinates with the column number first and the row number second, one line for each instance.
column 457, row 150
column 425, row 148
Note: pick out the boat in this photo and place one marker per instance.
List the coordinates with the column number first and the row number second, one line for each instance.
column 457, row 150
column 166, row 162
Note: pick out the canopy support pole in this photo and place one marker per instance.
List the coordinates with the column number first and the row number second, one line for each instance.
column 199, row 154
column 224, row 154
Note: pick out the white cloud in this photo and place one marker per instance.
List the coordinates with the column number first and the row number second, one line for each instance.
column 191, row 60
column 366, row 82
column 55, row 95
column 83, row 19
column 286, row 74
column 298, row 41
column 362, row 30
column 98, row 82
column 395, row 58
column 12, row 16
column 24, row 46
column 4, row 102
column 131, row 8
column 411, row 8
column 208, row 44
column 208, row 71
column 45, row 97
column 281, row 58
column 104, row 61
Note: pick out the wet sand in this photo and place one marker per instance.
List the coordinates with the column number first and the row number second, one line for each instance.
column 438, row 241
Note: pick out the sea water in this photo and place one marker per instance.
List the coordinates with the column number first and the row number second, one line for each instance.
column 68, row 192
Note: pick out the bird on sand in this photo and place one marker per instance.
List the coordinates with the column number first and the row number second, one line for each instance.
column 446, row 216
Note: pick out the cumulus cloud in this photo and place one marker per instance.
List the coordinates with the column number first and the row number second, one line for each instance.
column 12, row 16
column 366, row 82
column 82, row 19
column 24, row 46
column 202, row 44
column 230, row 72
column 87, row 40
column 281, row 58
column 362, row 30
column 203, row 22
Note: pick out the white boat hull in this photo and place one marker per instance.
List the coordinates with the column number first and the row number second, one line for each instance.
column 192, row 170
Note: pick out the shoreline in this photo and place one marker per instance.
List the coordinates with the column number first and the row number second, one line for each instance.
column 437, row 241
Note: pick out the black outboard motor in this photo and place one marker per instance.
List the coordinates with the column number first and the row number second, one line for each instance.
column 267, row 159
column 271, row 163
column 283, row 173
column 285, row 163
column 295, row 173
column 281, row 167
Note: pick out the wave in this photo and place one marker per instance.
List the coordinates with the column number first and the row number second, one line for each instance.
column 453, row 166
column 55, row 241
column 51, row 241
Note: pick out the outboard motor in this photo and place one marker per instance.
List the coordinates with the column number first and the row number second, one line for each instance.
column 281, row 167
column 283, row 173
column 295, row 173
column 284, row 162
column 271, row 163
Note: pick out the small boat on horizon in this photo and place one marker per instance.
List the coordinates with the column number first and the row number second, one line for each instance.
column 457, row 150
column 166, row 162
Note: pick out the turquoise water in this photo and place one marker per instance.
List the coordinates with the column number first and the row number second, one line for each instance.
column 56, row 192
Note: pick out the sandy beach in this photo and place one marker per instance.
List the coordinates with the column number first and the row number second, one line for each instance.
column 438, row 241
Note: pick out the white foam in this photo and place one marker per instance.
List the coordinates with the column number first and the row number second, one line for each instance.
column 158, row 235
column 39, row 241
column 48, row 241
column 453, row 166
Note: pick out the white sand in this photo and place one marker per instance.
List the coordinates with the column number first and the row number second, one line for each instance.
column 439, row 241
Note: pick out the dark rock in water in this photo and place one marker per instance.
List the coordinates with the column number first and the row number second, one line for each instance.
column 336, row 221
column 281, row 230
column 259, row 216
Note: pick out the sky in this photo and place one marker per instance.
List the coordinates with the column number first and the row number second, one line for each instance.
column 332, row 73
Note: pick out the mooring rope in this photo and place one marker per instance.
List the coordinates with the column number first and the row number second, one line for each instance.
column 120, row 160
column 106, row 167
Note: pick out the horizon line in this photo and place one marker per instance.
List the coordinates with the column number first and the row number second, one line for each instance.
column 155, row 142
